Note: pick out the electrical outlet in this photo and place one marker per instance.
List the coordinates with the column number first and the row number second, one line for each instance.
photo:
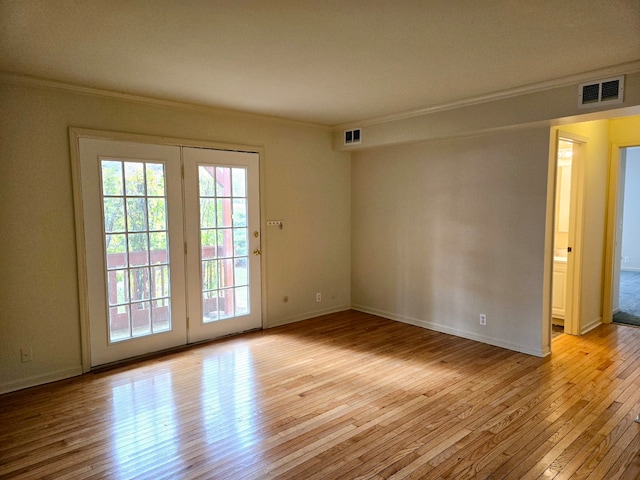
column 319, row 297
column 483, row 319
column 626, row 260
column 26, row 354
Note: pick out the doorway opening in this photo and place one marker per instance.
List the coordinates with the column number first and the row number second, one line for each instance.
column 566, row 225
column 626, row 287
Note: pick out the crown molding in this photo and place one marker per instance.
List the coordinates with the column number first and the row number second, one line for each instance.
column 621, row 69
column 38, row 82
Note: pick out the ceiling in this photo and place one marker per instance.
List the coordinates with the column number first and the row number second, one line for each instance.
column 324, row 61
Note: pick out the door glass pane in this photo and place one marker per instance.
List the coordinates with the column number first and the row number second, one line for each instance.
column 155, row 180
column 207, row 213
column 138, row 249
column 157, row 214
column 208, row 243
column 141, row 319
column 111, row 178
column 136, row 246
column 225, row 242
column 240, row 241
column 161, row 315
column 119, row 324
column 239, row 182
column 242, row 300
column 224, row 236
column 207, row 181
column 136, row 215
column 116, row 250
column 226, row 304
column 225, row 215
column 114, row 214
column 158, row 248
column 223, row 181
column 239, row 212
column 210, row 306
column 134, row 178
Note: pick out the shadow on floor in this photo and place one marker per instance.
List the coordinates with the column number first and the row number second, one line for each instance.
column 629, row 313
column 556, row 330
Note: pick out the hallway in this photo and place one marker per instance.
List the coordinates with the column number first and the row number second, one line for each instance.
column 629, row 312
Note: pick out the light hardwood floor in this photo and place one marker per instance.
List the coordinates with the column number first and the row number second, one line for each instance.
column 342, row 396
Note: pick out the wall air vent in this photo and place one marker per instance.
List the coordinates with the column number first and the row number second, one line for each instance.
column 353, row 136
column 603, row 92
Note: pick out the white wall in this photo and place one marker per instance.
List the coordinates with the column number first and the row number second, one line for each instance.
column 631, row 216
column 306, row 184
column 536, row 108
column 446, row 230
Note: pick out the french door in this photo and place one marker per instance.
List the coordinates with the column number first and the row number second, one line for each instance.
column 222, row 221
column 172, row 245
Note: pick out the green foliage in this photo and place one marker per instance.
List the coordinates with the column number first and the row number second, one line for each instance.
column 142, row 186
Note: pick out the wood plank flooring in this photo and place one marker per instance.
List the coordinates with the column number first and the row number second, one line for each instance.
column 343, row 396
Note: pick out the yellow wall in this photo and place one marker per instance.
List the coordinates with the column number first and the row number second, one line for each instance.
column 625, row 131
column 600, row 134
column 596, row 133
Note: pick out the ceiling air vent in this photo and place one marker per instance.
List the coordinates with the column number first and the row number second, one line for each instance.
column 602, row 92
column 353, row 136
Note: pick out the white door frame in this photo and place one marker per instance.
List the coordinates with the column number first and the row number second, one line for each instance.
column 576, row 232
column 611, row 229
column 74, row 137
column 574, row 260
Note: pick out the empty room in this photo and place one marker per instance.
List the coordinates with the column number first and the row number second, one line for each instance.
column 303, row 239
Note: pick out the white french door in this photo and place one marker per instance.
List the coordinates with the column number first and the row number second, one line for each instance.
column 169, row 261
column 223, row 222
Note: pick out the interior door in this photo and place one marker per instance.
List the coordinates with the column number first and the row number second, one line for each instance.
column 223, row 242
column 568, row 234
column 133, row 227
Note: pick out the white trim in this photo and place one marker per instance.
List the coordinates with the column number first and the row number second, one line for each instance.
column 307, row 316
column 451, row 331
column 610, row 232
column 81, row 250
column 621, row 69
column 591, row 325
column 38, row 82
column 630, row 269
column 158, row 140
column 573, row 291
column 611, row 225
column 36, row 380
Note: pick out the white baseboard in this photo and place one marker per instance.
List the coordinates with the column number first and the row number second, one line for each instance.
column 40, row 379
column 306, row 316
column 591, row 325
column 451, row 331
column 630, row 269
